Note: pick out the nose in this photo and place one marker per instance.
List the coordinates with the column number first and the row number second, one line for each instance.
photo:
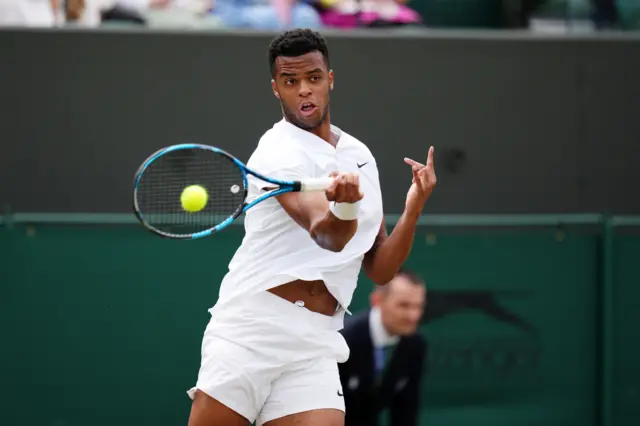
column 305, row 89
column 414, row 315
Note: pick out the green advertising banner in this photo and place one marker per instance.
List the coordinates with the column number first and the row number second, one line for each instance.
column 511, row 323
column 626, row 327
column 105, row 322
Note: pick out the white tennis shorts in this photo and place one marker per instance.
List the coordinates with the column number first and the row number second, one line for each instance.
column 265, row 358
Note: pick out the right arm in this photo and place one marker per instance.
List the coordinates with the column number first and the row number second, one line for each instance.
column 311, row 211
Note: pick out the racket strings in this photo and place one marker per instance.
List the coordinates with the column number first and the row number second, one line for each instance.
column 162, row 184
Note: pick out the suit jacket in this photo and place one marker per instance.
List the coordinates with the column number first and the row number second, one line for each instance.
column 399, row 386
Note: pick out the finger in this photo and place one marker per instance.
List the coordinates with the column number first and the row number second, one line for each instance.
column 416, row 175
column 430, row 156
column 357, row 191
column 353, row 188
column 332, row 192
column 351, row 181
column 334, row 183
column 334, row 173
column 427, row 178
column 425, row 173
column 344, row 187
column 429, row 173
column 413, row 163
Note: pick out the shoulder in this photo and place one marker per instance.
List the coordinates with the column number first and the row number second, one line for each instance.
column 417, row 342
column 277, row 148
column 275, row 139
column 356, row 144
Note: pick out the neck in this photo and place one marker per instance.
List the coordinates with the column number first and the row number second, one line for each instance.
column 385, row 328
column 384, row 325
column 323, row 131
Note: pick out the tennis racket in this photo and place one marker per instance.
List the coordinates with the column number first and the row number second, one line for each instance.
column 162, row 178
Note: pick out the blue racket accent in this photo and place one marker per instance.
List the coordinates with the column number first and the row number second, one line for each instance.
column 190, row 164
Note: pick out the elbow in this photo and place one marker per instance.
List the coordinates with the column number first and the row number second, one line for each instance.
column 382, row 279
column 335, row 245
column 332, row 242
column 380, row 275
column 336, row 248
column 333, row 235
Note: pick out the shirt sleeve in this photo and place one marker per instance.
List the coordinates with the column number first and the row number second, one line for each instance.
column 285, row 161
column 281, row 160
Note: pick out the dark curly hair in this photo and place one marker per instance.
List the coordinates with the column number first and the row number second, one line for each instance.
column 297, row 42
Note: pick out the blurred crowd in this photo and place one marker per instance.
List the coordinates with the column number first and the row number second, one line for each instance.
column 341, row 14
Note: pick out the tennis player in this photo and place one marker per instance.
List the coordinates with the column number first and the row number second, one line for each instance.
column 271, row 348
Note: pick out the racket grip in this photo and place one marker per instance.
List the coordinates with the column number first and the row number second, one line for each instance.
column 317, row 184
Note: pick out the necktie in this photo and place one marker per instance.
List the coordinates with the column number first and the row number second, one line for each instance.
column 379, row 360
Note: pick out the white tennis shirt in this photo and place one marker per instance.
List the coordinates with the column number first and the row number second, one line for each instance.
column 275, row 249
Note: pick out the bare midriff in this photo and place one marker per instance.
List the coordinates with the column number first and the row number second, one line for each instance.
column 314, row 295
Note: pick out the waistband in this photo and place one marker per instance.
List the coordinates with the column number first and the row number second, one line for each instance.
column 268, row 307
column 265, row 301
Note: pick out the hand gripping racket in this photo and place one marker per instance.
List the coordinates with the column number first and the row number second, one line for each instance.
column 161, row 179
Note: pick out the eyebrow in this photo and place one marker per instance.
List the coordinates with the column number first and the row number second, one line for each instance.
column 289, row 74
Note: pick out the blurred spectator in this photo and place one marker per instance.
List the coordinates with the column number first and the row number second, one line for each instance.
column 525, row 13
column 384, row 369
column 605, row 14
column 184, row 14
column 168, row 13
column 28, row 13
column 267, row 14
column 367, row 13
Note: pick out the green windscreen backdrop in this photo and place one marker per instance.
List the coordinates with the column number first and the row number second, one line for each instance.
column 626, row 327
column 101, row 325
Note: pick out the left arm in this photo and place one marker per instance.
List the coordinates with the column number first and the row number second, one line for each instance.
column 389, row 252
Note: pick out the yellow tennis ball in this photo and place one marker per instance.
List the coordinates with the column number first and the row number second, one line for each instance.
column 194, row 198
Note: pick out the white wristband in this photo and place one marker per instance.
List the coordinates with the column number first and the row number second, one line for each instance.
column 345, row 211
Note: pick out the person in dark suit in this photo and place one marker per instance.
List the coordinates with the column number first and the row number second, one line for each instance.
column 385, row 367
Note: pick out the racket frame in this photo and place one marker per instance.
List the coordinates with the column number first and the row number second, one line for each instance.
column 283, row 187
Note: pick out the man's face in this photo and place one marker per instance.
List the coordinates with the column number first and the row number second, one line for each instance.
column 402, row 306
column 302, row 84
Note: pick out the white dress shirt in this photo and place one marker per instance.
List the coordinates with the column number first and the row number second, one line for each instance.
column 379, row 335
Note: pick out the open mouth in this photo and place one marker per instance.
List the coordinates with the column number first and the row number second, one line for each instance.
column 308, row 108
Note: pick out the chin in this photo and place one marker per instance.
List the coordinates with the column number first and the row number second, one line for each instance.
column 407, row 331
column 308, row 125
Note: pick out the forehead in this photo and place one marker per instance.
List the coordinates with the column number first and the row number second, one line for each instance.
column 401, row 289
column 300, row 64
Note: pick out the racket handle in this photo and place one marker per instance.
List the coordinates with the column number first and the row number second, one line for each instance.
column 317, row 184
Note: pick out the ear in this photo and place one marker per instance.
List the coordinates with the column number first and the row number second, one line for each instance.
column 374, row 298
column 274, row 89
column 331, row 76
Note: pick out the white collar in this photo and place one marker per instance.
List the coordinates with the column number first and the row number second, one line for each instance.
column 379, row 335
column 335, row 130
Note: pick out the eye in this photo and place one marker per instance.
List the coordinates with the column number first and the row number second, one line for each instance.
column 315, row 78
column 290, row 81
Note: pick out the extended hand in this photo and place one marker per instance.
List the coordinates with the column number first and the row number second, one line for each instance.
column 424, row 180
